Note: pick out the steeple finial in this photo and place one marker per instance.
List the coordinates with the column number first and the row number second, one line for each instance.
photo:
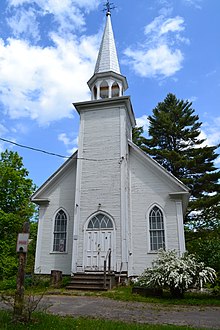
column 108, row 7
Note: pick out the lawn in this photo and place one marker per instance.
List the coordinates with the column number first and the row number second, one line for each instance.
column 51, row 322
column 195, row 299
column 123, row 293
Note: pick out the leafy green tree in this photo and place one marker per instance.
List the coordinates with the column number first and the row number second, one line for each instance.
column 15, row 208
column 174, row 141
column 206, row 246
column 16, row 187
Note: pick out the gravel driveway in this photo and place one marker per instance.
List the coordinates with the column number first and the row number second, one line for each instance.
column 204, row 317
column 105, row 308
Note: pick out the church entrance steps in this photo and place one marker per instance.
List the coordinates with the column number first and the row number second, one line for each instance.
column 92, row 281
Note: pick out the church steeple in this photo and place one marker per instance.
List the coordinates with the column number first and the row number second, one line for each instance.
column 107, row 57
column 107, row 81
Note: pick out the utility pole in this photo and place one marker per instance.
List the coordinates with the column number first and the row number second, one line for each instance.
column 22, row 244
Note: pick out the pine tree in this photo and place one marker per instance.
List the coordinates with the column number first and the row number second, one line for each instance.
column 174, row 142
column 137, row 136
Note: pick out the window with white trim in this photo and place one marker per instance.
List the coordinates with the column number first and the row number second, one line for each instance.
column 60, row 231
column 156, row 225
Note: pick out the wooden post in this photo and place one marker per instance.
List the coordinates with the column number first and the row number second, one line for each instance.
column 56, row 278
column 105, row 275
column 19, row 294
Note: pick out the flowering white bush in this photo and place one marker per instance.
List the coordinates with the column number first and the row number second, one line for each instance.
column 176, row 273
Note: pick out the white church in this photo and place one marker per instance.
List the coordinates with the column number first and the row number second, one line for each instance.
column 109, row 197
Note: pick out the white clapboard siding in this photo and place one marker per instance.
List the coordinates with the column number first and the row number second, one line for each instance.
column 149, row 188
column 61, row 194
column 100, row 185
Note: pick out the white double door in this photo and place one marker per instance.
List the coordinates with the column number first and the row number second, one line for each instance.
column 97, row 243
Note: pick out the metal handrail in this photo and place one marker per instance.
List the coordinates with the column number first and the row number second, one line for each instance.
column 107, row 258
column 119, row 278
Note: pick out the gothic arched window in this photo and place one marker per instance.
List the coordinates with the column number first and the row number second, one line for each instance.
column 115, row 90
column 95, row 92
column 156, row 225
column 60, row 231
column 104, row 90
column 100, row 221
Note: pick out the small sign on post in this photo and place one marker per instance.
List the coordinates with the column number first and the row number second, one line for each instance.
column 22, row 248
column 22, row 242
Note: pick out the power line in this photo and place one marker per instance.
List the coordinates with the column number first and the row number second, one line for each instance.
column 58, row 155
column 34, row 149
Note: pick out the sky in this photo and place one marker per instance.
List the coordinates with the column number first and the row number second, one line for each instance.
column 48, row 50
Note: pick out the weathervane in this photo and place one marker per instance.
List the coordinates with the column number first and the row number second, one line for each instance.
column 108, row 7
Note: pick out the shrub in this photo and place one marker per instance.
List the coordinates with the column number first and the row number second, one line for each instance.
column 8, row 284
column 176, row 273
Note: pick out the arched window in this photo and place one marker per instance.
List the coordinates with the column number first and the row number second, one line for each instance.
column 157, row 237
column 60, row 228
column 100, row 221
column 104, row 90
column 115, row 90
column 95, row 92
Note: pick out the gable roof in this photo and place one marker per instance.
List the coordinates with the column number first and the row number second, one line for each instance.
column 36, row 197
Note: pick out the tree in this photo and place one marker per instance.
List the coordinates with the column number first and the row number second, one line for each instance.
column 137, row 136
column 16, row 187
column 15, row 207
column 175, row 142
column 206, row 246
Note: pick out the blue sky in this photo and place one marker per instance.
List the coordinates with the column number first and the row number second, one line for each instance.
column 48, row 50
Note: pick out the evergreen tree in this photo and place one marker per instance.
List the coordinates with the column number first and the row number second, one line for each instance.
column 137, row 136
column 174, row 142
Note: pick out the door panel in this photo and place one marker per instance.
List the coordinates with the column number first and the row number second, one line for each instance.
column 97, row 244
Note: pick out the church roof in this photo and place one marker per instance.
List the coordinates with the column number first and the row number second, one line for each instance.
column 107, row 57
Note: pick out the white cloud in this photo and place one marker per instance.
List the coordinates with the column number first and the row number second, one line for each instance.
column 211, row 73
column 42, row 83
column 211, row 132
column 162, row 26
column 20, row 128
column 143, row 122
column 194, row 3
column 172, row 25
column 69, row 142
column 68, row 14
column 192, row 99
column 3, row 130
column 24, row 23
column 160, row 55
column 158, row 61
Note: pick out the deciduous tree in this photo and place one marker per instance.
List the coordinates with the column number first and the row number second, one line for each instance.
column 15, row 207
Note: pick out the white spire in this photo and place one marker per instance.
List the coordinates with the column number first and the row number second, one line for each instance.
column 107, row 57
column 107, row 81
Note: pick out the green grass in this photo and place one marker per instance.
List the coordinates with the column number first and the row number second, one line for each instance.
column 51, row 322
column 193, row 299
column 124, row 293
